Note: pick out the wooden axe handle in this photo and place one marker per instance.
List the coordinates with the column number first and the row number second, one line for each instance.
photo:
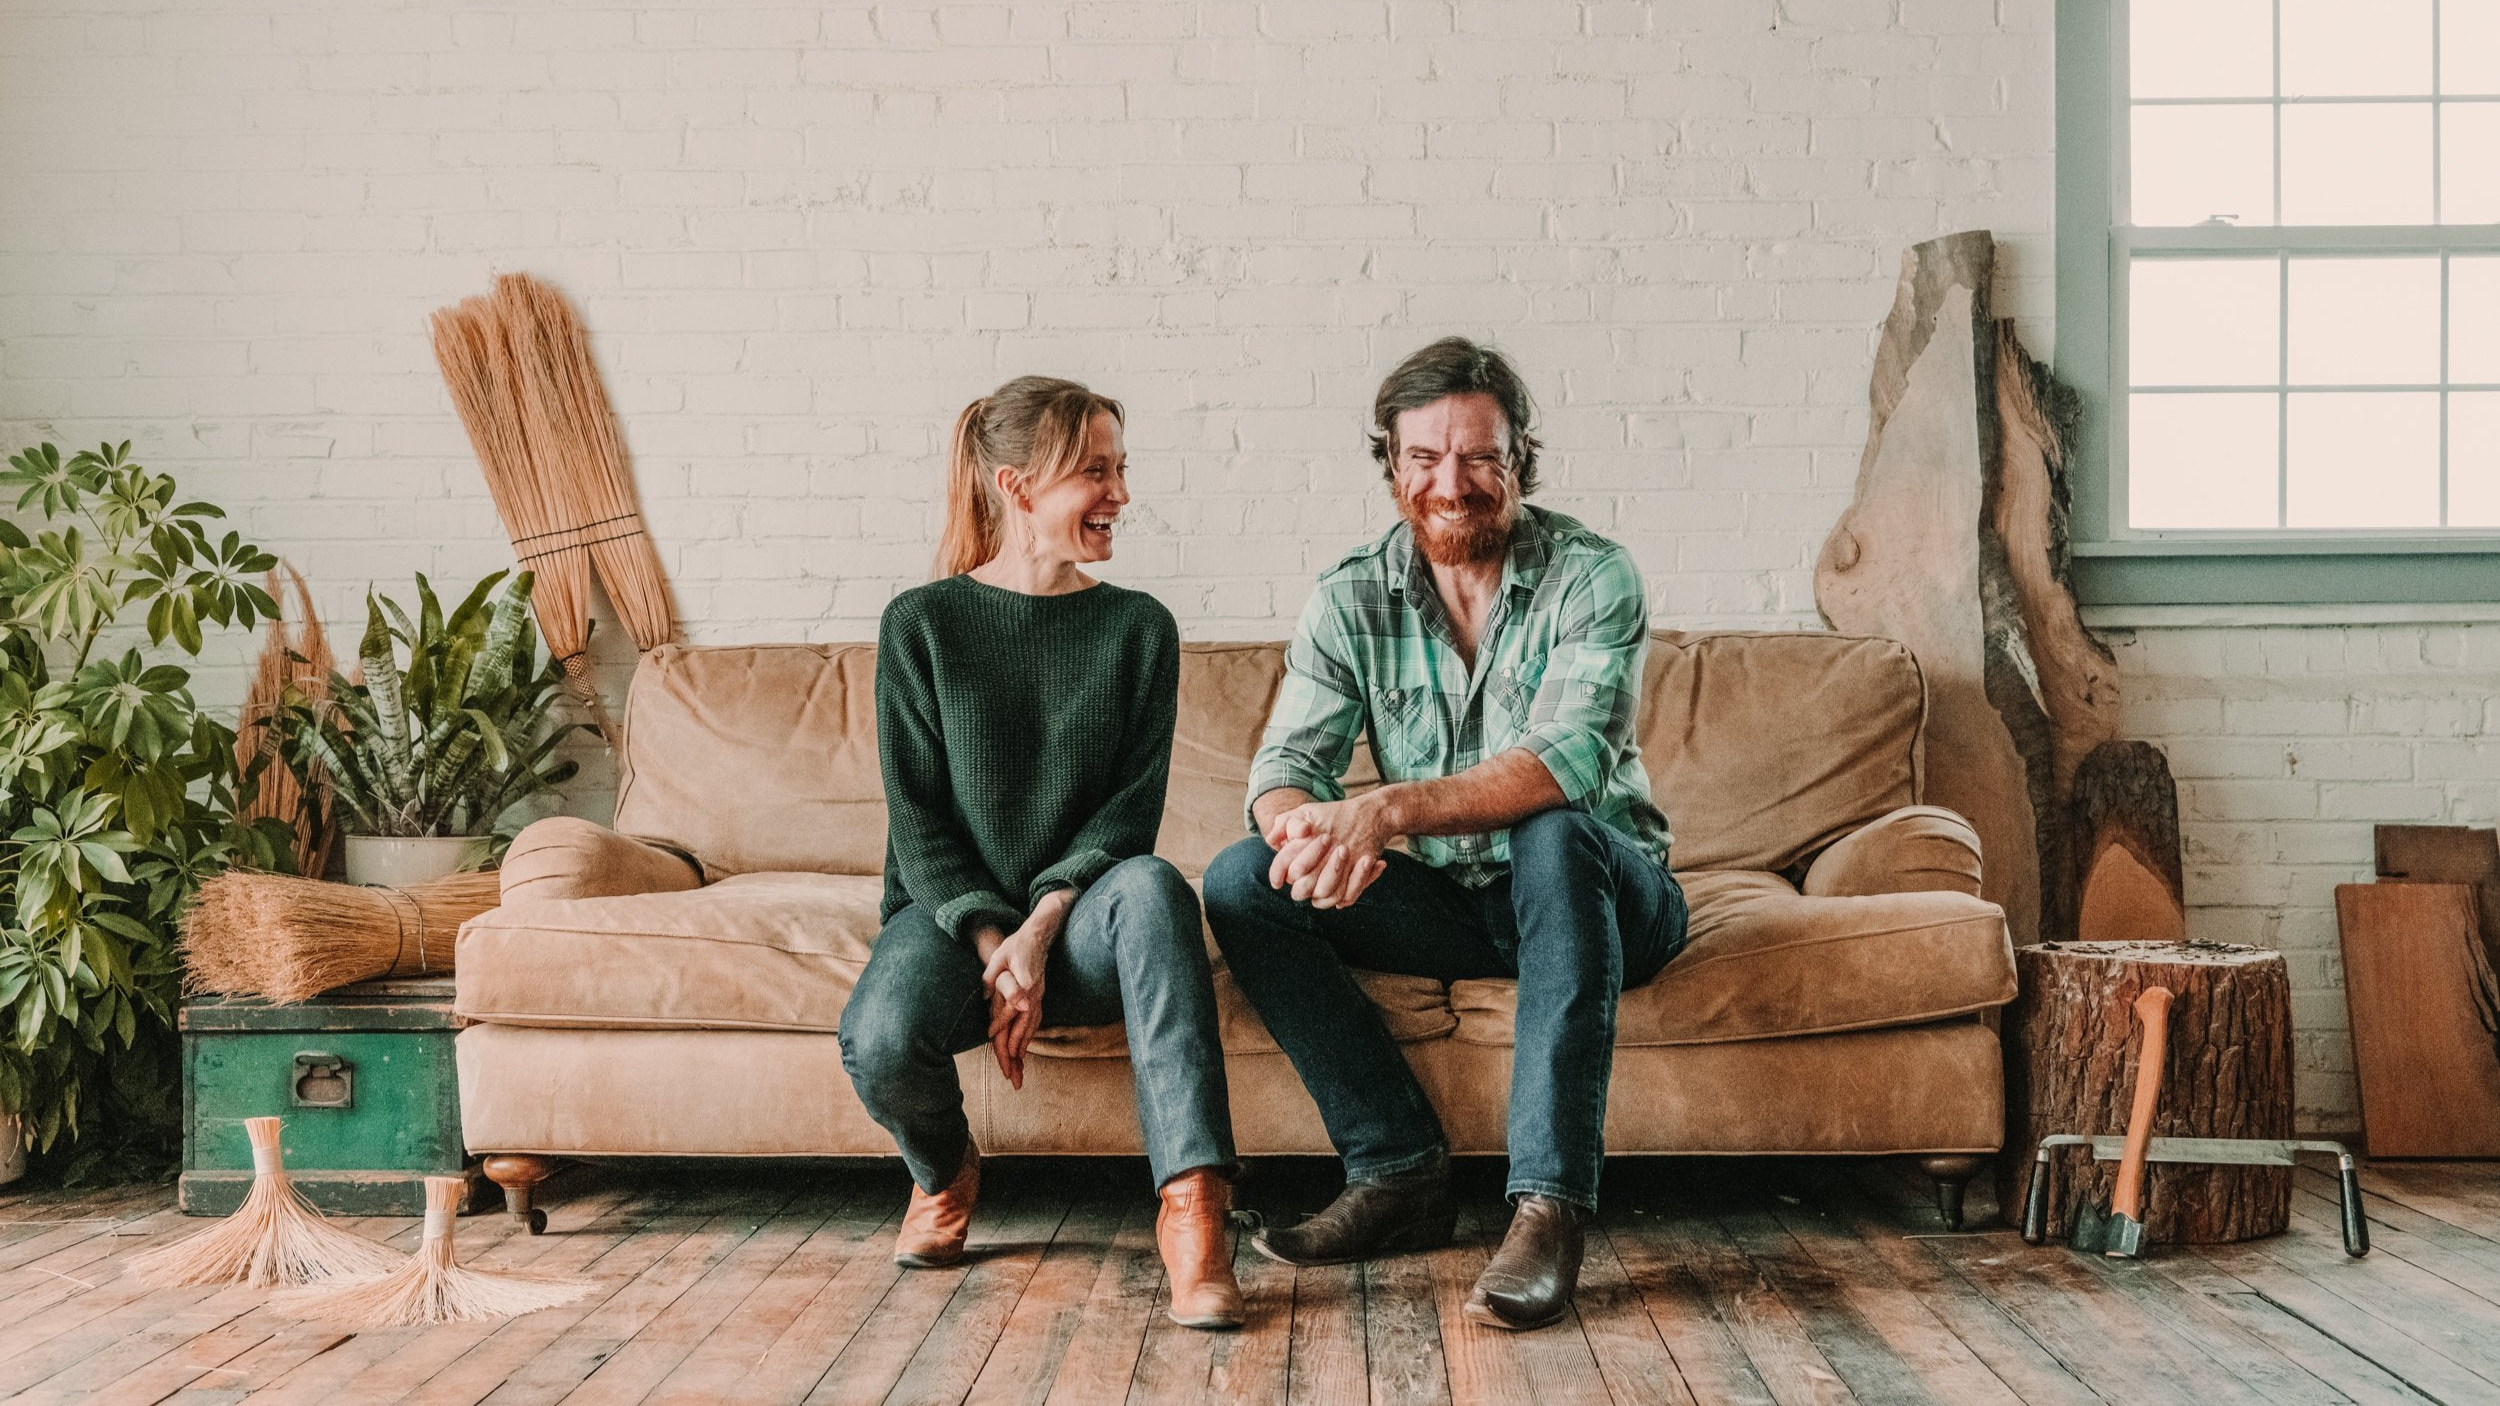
column 2153, row 1008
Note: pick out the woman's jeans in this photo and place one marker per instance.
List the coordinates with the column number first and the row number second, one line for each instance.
column 1132, row 949
column 1583, row 914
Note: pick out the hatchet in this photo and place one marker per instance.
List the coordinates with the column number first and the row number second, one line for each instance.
column 2118, row 1231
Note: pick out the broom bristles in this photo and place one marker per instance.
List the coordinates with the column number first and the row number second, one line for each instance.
column 432, row 1286
column 291, row 939
column 274, row 1238
column 474, row 348
column 581, row 455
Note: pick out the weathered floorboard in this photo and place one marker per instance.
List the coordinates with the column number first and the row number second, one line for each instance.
column 1761, row 1282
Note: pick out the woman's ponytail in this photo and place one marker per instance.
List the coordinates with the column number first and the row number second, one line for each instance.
column 971, row 535
column 1038, row 424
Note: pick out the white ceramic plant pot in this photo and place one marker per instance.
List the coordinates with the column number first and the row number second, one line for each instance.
column 12, row 1148
column 397, row 863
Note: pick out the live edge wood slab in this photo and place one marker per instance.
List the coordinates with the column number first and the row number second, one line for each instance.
column 2073, row 1044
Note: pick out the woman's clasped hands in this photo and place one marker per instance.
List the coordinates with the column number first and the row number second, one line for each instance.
column 1012, row 974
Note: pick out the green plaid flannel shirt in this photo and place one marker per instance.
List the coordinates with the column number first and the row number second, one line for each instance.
column 1558, row 672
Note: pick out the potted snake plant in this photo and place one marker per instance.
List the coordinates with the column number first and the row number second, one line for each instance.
column 422, row 759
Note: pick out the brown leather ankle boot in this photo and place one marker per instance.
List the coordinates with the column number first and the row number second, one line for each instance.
column 1394, row 1215
column 934, row 1227
column 1528, row 1282
column 1194, row 1234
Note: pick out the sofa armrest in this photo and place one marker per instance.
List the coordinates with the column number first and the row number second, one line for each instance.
column 565, row 857
column 1916, row 849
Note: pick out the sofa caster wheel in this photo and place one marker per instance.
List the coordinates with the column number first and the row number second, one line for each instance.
column 1952, row 1175
column 519, row 1177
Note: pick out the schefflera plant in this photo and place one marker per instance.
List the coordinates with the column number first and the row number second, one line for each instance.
column 118, row 792
column 451, row 741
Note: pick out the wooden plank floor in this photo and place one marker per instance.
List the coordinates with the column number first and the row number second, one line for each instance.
column 1774, row 1281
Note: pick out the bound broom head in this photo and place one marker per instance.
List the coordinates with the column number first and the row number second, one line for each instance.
column 432, row 1286
column 275, row 1238
column 290, row 939
column 221, row 938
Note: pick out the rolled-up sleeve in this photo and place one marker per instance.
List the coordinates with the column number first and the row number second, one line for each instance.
column 1581, row 718
column 1310, row 734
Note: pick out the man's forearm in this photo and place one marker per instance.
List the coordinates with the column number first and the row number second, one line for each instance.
column 1275, row 802
column 1494, row 794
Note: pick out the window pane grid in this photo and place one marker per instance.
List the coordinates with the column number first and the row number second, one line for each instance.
column 2329, row 145
column 2365, row 153
column 2381, row 450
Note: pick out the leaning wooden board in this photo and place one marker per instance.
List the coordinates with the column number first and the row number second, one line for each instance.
column 2422, row 1038
column 364, row 1078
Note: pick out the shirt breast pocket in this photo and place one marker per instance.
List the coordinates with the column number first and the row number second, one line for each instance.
column 1406, row 731
column 1512, row 690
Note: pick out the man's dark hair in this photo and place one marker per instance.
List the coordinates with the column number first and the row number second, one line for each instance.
column 1456, row 366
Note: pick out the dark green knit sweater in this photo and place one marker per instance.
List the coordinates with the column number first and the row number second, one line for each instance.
column 1026, row 742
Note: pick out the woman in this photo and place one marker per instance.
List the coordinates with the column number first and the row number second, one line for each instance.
column 1024, row 717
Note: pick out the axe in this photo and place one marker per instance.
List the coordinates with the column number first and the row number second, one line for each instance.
column 2118, row 1231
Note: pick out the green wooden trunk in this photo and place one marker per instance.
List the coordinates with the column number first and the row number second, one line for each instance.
column 364, row 1078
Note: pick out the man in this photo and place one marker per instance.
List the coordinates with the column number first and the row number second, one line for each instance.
column 1493, row 653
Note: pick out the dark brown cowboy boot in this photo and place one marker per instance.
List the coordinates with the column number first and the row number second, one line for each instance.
column 1528, row 1282
column 1394, row 1215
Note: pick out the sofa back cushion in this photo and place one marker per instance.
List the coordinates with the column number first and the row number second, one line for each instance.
column 1226, row 690
column 757, row 758
column 1764, row 747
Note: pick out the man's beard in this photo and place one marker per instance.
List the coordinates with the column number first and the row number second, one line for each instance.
column 1481, row 536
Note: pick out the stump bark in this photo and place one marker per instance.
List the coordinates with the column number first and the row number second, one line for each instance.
column 2228, row 1074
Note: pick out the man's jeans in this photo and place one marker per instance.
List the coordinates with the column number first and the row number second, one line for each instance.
column 1583, row 914
column 1132, row 948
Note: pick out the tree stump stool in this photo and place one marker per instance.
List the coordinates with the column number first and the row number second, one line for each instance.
column 2071, row 1068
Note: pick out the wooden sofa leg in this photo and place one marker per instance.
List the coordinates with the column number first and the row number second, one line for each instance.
column 519, row 1175
column 1951, row 1173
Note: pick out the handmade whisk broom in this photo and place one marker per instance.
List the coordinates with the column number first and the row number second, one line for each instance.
column 274, row 1238
column 431, row 1286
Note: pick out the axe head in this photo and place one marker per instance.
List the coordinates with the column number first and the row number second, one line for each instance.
column 2112, row 1233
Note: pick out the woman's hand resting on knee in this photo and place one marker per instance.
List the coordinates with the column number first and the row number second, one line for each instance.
column 1012, row 974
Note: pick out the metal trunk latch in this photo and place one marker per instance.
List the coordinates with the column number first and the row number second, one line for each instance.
column 322, row 1080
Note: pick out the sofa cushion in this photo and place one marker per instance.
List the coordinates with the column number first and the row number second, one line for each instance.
column 756, row 758
column 775, row 951
column 1765, row 961
column 1225, row 693
column 1764, row 747
column 769, row 1093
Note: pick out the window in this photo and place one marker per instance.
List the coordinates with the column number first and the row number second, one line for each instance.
column 2279, row 290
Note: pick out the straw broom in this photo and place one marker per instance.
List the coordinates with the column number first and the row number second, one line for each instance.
column 291, row 939
column 292, row 658
column 431, row 1286
column 221, row 939
column 483, row 371
column 274, row 1238
column 580, row 456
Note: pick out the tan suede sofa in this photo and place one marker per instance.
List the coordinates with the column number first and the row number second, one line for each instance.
column 1835, row 998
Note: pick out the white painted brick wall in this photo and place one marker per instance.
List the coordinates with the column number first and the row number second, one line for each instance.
column 2289, row 743
column 805, row 236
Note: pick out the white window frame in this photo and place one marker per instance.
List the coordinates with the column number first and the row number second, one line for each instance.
column 2117, row 563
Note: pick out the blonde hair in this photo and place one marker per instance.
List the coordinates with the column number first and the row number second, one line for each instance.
column 1037, row 423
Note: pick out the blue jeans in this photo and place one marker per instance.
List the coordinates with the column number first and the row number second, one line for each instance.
column 1132, row 949
column 1583, row 914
